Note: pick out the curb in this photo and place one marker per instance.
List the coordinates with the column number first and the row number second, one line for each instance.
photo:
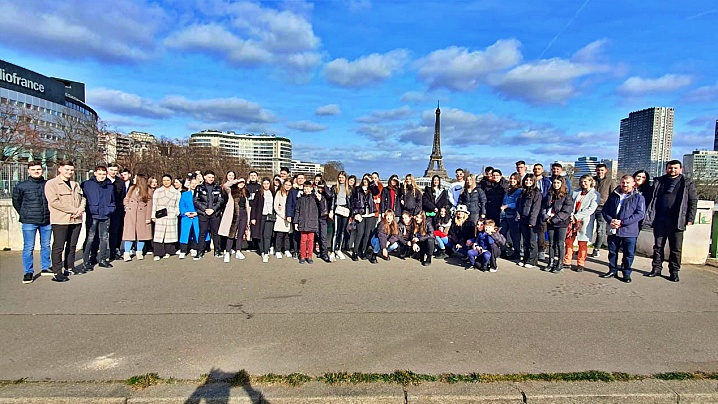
column 654, row 391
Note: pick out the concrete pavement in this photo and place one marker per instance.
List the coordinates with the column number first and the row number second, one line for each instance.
column 184, row 318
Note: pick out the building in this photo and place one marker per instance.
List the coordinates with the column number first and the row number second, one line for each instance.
column 585, row 165
column 701, row 165
column 612, row 166
column 114, row 146
column 645, row 141
column 715, row 140
column 142, row 142
column 264, row 153
column 306, row 168
column 53, row 104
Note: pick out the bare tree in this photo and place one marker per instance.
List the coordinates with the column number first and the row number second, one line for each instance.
column 78, row 139
column 21, row 132
column 332, row 169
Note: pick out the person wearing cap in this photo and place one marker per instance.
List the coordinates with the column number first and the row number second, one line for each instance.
column 461, row 230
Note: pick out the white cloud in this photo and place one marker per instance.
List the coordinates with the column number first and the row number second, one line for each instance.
column 703, row 94
column 254, row 35
column 306, row 126
column 412, row 97
column 459, row 69
column 215, row 110
column 330, row 109
column 386, row 115
column 670, row 82
column 122, row 103
column 116, row 31
column 358, row 5
column 366, row 70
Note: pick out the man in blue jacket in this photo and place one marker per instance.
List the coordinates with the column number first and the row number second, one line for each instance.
column 623, row 211
column 100, row 195
column 28, row 199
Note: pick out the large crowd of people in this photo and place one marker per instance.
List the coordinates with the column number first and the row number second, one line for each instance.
column 524, row 217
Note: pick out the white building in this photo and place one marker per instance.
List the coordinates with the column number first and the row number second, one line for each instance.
column 264, row 153
column 701, row 165
column 645, row 141
column 585, row 165
column 305, row 167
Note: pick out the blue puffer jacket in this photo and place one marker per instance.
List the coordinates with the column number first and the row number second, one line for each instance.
column 633, row 209
column 510, row 200
column 100, row 198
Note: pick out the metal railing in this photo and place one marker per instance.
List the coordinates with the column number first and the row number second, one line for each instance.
column 14, row 172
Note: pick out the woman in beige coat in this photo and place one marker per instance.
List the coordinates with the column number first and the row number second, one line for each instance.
column 138, row 216
column 165, row 199
column 235, row 218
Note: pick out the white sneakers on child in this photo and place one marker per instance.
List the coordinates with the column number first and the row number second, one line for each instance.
column 239, row 255
column 278, row 255
column 227, row 256
column 265, row 258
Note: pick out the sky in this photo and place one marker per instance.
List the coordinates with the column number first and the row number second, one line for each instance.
column 359, row 80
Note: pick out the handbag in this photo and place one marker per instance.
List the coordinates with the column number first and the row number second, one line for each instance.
column 342, row 211
column 352, row 225
column 574, row 228
column 159, row 214
column 272, row 217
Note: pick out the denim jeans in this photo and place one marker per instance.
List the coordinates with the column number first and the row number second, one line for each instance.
column 627, row 245
column 377, row 247
column 441, row 242
column 101, row 230
column 140, row 245
column 28, row 238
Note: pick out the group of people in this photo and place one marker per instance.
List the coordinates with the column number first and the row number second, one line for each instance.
column 526, row 217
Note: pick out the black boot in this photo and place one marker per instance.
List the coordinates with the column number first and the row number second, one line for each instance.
column 354, row 256
column 550, row 267
column 427, row 261
column 609, row 274
column 653, row 273
column 673, row 277
column 558, row 268
column 372, row 258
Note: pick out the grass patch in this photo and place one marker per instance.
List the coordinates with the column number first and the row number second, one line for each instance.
column 20, row 380
column 293, row 379
column 144, row 381
column 203, row 379
column 675, row 376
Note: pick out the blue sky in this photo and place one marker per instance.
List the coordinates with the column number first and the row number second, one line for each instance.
column 358, row 80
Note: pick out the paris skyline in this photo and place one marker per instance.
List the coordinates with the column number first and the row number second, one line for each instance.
column 358, row 81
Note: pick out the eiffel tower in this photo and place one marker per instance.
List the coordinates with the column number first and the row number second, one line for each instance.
column 436, row 162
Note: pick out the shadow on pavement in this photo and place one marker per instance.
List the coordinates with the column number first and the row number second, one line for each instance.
column 218, row 386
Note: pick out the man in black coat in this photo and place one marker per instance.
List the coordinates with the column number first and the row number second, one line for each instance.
column 208, row 201
column 672, row 209
column 28, row 199
column 117, row 220
column 495, row 188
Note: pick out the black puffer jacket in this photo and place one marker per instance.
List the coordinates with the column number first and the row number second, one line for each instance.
column 562, row 209
column 28, row 199
column 410, row 200
column 209, row 196
column 429, row 201
column 363, row 203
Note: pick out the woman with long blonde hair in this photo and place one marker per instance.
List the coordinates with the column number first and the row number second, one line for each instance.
column 410, row 198
column 340, row 213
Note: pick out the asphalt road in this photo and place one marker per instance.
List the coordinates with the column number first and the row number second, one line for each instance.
column 185, row 318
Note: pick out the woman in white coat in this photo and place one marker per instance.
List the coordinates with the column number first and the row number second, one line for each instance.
column 165, row 205
column 581, row 227
column 282, row 227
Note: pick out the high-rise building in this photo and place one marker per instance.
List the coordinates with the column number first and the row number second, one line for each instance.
column 645, row 141
column 701, row 165
column 612, row 166
column 264, row 153
column 715, row 140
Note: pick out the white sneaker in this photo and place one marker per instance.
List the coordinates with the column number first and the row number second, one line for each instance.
column 265, row 258
column 493, row 269
column 140, row 256
column 288, row 254
column 193, row 253
column 157, row 258
column 166, row 256
column 278, row 255
column 182, row 255
column 340, row 255
column 332, row 257
column 520, row 263
column 529, row 266
column 126, row 257
column 226, row 257
column 271, row 250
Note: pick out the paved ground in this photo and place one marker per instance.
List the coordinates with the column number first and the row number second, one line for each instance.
column 185, row 318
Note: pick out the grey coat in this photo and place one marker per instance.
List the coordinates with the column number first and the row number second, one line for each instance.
column 585, row 213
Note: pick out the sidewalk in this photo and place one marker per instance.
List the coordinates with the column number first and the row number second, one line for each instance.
column 644, row 391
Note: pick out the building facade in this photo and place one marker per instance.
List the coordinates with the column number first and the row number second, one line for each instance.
column 701, row 165
column 585, row 165
column 645, row 141
column 264, row 153
column 51, row 103
column 306, row 168
column 715, row 140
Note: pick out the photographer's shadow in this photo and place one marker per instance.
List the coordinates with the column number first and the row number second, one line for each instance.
column 217, row 389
